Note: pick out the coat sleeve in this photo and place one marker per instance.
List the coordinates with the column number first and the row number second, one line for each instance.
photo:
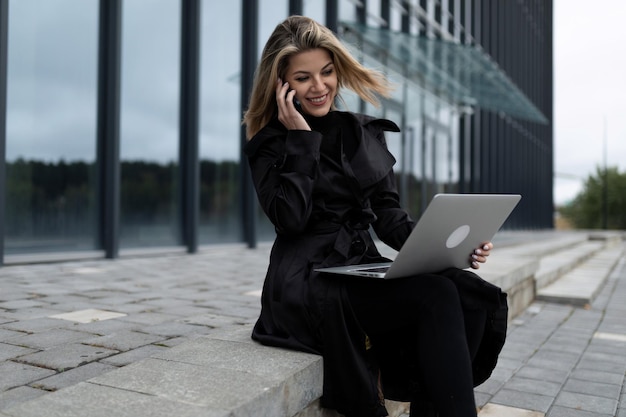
column 393, row 224
column 283, row 171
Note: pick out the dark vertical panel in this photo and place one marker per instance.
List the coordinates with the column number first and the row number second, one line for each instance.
column 4, row 32
column 463, row 13
column 385, row 11
column 450, row 17
column 295, row 7
column 332, row 15
column 477, row 21
column 108, row 124
column 361, row 12
column 423, row 27
column 405, row 22
column 249, row 51
column 189, row 122
column 439, row 17
column 463, row 122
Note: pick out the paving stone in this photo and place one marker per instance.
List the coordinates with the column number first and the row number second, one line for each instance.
column 73, row 376
column 602, row 362
column 497, row 410
column 19, row 395
column 30, row 313
column 542, row 374
column 597, row 389
column 88, row 315
column 106, row 327
column 20, row 304
column 175, row 341
column 212, row 320
column 547, row 359
column 598, row 376
column 66, row 357
column 10, row 351
column 14, row 374
column 586, row 402
column 133, row 356
column 480, row 398
column 524, row 400
column 533, row 386
column 92, row 400
column 51, row 338
column 4, row 320
column 35, row 325
column 149, row 318
column 490, row 386
column 558, row 411
column 176, row 329
column 9, row 334
column 124, row 340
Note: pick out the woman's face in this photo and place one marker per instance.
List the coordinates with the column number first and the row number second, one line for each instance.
column 312, row 74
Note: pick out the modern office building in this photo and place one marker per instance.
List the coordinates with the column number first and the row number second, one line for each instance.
column 120, row 120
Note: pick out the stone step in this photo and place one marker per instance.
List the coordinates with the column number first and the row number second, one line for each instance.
column 581, row 285
column 555, row 265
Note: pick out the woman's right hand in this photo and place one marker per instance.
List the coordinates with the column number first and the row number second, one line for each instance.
column 288, row 115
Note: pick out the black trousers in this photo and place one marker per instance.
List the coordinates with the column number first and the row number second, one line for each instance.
column 427, row 308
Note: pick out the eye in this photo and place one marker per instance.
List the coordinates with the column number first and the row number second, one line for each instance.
column 328, row 71
column 301, row 79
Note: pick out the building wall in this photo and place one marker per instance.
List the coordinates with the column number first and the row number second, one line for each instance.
column 122, row 118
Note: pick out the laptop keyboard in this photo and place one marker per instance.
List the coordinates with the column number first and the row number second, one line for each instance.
column 382, row 269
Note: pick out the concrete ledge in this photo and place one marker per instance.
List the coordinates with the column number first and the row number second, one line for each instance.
column 222, row 375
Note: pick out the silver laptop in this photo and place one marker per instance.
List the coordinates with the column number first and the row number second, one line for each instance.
column 445, row 236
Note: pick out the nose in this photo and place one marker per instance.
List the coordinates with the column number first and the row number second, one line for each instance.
column 318, row 84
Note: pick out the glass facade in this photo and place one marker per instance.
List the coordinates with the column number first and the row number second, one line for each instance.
column 62, row 193
column 220, row 81
column 49, row 195
column 149, row 123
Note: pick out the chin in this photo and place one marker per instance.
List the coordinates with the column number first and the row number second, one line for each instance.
column 318, row 111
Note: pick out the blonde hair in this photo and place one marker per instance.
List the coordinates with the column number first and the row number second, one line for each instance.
column 298, row 34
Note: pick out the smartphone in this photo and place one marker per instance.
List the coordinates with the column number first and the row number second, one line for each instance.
column 296, row 102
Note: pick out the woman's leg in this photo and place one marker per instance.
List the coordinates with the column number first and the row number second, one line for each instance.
column 430, row 306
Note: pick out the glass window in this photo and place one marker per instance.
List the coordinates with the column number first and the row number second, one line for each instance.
column 220, row 122
column 51, row 126
column 149, row 123
column 316, row 9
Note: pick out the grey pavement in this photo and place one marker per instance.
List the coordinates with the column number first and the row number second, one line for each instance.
column 65, row 323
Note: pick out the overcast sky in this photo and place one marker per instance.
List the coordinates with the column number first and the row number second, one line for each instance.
column 589, row 90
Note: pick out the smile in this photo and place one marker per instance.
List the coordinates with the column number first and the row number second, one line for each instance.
column 318, row 100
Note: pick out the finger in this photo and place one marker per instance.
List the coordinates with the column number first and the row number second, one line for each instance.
column 280, row 91
column 478, row 258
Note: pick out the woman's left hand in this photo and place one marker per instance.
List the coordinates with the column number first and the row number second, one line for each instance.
column 480, row 254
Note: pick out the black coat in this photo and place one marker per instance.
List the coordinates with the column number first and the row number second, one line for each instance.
column 322, row 210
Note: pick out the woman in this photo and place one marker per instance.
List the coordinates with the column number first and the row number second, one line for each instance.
column 324, row 177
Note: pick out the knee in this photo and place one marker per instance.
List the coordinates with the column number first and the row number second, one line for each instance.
column 441, row 290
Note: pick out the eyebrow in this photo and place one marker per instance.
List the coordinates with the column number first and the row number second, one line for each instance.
column 306, row 72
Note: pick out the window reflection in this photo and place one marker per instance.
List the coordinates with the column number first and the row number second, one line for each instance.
column 220, row 122
column 51, row 118
column 149, row 123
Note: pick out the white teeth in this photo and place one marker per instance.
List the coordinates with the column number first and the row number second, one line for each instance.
column 318, row 99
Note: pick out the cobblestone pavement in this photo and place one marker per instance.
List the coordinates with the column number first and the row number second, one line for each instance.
column 63, row 323
column 565, row 361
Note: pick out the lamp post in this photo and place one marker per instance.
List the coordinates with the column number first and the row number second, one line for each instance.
column 605, row 185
